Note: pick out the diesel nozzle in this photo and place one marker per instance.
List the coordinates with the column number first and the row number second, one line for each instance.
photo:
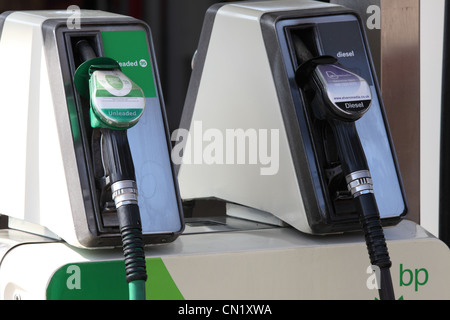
column 116, row 104
column 340, row 97
column 359, row 182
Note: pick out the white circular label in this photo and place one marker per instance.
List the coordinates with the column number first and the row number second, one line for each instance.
column 115, row 82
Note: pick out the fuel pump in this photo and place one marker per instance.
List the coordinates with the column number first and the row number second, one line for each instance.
column 302, row 68
column 88, row 166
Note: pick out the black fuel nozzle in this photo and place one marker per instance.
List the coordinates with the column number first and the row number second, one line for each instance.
column 341, row 97
column 338, row 96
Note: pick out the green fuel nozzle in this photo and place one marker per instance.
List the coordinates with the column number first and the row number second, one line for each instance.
column 116, row 101
column 116, row 104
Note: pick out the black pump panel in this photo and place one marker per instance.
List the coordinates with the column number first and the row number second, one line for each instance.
column 328, row 203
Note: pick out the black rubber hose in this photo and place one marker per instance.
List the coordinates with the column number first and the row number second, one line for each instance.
column 133, row 246
column 376, row 243
column 118, row 163
column 353, row 159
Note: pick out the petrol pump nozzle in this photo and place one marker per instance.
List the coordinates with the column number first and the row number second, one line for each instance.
column 116, row 104
column 341, row 97
column 116, row 101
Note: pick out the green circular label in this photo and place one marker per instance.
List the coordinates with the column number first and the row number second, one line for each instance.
column 116, row 101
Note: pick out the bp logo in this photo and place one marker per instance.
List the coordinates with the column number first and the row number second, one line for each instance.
column 143, row 63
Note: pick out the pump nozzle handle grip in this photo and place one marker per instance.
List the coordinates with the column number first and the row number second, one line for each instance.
column 116, row 155
column 350, row 149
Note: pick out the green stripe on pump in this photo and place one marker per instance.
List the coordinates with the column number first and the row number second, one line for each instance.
column 105, row 280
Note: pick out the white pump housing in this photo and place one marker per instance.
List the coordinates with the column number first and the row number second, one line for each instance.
column 47, row 185
column 241, row 139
